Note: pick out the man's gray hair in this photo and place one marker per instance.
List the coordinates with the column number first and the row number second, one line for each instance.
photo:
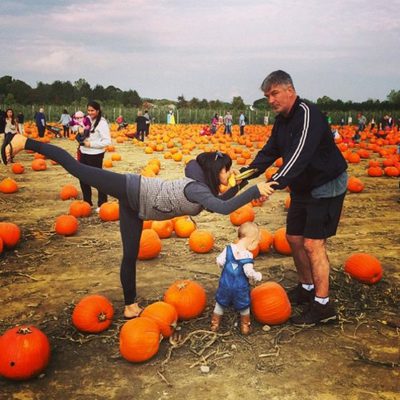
column 278, row 77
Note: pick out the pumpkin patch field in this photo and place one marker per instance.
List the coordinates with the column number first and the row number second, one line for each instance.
column 60, row 284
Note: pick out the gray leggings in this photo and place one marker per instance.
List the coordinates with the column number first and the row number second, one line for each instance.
column 113, row 184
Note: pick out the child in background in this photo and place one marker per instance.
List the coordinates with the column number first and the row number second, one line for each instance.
column 236, row 261
column 81, row 126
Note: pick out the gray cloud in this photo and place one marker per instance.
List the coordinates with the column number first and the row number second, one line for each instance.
column 347, row 50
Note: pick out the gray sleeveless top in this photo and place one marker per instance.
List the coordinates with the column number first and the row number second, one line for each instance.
column 160, row 199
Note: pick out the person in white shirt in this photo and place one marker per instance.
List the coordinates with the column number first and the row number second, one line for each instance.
column 236, row 261
column 93, row 143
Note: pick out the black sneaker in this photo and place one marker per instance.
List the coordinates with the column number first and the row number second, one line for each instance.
column 298, row 295
column 316, row 313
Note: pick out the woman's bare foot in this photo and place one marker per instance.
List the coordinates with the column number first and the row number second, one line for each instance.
column 17, row 144
column 132, row 311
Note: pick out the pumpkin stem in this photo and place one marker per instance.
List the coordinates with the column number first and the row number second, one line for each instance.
column 102, row 317
column 24, row 331
column 181, row 285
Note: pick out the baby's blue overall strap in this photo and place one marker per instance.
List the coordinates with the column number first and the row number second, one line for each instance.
column 230, row 257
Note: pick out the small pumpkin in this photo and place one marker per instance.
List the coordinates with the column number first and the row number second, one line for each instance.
column 66, row 225
column 17, row 168
column 150, row 245
column 93, row 314
column 355, row 185
column 201, row 241
column 184, row 227
column 68, row 192
column 10, row 234
column 266, row 240
column 364, row 267
column 281, row 244
column 39, row 165
column 8, row 186
column 242, row 215
column 164, row 315
column 188, row 297
column 139, row 339
column 270, row 304
column 164, row 229
column 24, row 352
column 109, row 211
column 80, row 209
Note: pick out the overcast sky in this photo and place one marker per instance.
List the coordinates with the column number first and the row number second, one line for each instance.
column 347, row 50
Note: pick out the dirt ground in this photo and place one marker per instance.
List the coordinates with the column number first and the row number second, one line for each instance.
column 41, row 280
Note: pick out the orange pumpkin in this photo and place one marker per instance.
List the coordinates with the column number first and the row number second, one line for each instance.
column 68, row 192
column 270, row 304
column 281, row 245
column 10, row 234
column 8, row 186
column 164, row 315
column 375, row 171
column 391, row 171
column 109, row 211
column 139, row 339
column 17, row 168
column 1, row 245
column 66, row 225
column 39, row 165
column 242, row 215
column 93, row 314
column 355, row 185
column 266, row 240
column 164, row 229
column 80, row 209
column 25, row 352
column 188, row 297
column 150, row 245
column 201, row 241
column 364, row 267
column 116, row 157
column 184, row 227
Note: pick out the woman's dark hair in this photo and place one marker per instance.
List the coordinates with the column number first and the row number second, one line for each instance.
column 212, row 163
column 13, row 120
column 65, row 111
column 97, row 107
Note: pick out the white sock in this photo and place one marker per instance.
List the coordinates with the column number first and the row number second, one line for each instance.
column 307, row 286
column 246, row 311
column 218, row 309
column 321, row 300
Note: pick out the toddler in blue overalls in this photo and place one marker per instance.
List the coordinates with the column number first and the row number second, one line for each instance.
column 236, row 261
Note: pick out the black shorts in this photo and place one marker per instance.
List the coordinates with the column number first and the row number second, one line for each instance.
column 313, row 218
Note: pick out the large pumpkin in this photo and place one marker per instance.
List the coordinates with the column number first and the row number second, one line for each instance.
column 139, row 339
column 164, row 315
column 10, row 233
column 93, row 314
column 281, row 245
column 24, row 352
column 188, row 297
column 364, row 268
column 150, row 245
column 66, row 225
column 201, row 241
column 270, row 304
column 266, row 240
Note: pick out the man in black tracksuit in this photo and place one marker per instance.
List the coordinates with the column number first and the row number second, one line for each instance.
column 315, row 171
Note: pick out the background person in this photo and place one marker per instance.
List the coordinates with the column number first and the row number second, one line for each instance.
column 40, row 121
column 315, row 171
column 21, row 120
column 228, row 123
column 93, row 147
column 242, row 123
column 65, row 120
column 141, row 126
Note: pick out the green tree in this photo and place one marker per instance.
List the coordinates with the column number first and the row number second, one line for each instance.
column 394, row 97
column 182, row 102
column 238, row 103
column 21, row 91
